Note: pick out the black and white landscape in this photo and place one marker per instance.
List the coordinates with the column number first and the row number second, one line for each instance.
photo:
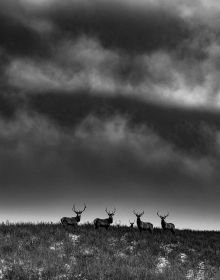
column 113, row 104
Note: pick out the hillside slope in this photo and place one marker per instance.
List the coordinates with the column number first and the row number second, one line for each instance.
column 47, row 251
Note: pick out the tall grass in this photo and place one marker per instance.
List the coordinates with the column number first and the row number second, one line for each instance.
column 48, row 251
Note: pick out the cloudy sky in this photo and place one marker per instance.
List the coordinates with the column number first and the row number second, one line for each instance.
column 111, row 103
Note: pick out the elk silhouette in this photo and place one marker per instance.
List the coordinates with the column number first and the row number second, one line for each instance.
column 105, row 222
column 143, row 226
column 73, row 221
column 165, row 225
column 131, row 224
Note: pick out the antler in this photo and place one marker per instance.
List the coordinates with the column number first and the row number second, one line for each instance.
column 166, row 215
column 73, row 209
column 138, row 214
column 135, row 212
column 109, row 212
column 83, row 209
column 78, row 211
column 158, row 215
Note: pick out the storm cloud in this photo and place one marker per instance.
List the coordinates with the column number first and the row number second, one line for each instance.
column 110, row 100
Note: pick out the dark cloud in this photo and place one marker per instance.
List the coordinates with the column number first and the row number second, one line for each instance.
column 119, row 26
column 18, row 37
column 152, row 50
column 110, row 101
column 189, row 130
column 8, row 106
column 34, row 152
column 100, row 161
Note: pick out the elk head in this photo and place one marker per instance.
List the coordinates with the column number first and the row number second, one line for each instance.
column 131, row 224
column 78, row 212
column 138, row 215
column 162, row 217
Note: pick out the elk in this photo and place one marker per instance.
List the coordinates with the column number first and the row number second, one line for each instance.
column 143, row 226
column 73, row 221
column 131, row 224
column 165, row 225
column 105, row 222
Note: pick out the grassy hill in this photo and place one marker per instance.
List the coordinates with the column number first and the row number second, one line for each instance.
column 47, row 251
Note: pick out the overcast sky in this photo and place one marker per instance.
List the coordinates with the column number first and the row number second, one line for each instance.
column 111, row 103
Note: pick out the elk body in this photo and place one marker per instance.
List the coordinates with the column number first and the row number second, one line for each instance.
column 105, row 222
column 143, row 226
column 73, row 221
column 165, row 225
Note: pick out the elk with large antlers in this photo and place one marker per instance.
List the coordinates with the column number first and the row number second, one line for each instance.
column 105, row 222
column 143, row 226
column 165, row 225
column 73, row 221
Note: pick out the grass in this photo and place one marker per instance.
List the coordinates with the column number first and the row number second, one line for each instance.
column 48, row 251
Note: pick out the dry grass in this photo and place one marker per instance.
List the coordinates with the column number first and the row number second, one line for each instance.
column 47, row 251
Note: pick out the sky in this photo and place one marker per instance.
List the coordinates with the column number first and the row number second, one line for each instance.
column 112, row 104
